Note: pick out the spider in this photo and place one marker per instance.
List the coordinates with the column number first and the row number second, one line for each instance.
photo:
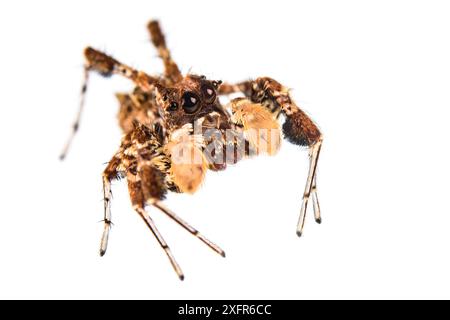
column 175, row 129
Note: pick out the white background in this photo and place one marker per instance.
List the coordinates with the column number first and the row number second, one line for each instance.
column 375, row 75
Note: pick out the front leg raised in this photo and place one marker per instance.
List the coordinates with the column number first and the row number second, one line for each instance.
column 298, row 129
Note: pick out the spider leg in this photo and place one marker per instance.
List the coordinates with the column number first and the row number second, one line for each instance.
column 171, row 69
column 315, row 199
column 137, row 198
column 107, row 215
column 247, row 88
column 109, row 174
column 189, row 228
column 76, row 123
column 106, row 66
column 227, row 88
column 144, row 215
column 298, row 129
column 315, row 151
column 148, row 186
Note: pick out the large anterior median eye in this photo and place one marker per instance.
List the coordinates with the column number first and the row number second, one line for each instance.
column 191, row 102
column 209, row 93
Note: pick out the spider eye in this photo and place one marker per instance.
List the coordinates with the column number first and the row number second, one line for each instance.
column 216, row 84
column 209, row 93
column 191, row 102
column 173, row 106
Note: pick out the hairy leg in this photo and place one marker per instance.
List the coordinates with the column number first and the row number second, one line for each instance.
column 109, row 174
column 229, row 88
column 106, row 66
column 298, row 129
column 146, row 176
column 172, row 71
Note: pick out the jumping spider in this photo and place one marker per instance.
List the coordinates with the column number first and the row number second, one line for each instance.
column 175, row 128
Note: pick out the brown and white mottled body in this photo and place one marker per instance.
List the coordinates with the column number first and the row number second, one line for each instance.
column 175, row 129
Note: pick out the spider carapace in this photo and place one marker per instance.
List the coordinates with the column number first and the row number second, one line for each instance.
column 175, row 129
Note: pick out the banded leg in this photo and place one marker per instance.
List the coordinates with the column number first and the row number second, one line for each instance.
column 229, row 88
column 76, row 123
column 137, row 199
column 106, row 66
column 109, row 174
column 315, row 151
column 315, row 199
column 144, row 215
column 189, row 228
column 171, row 69
column 153, row 190
column 247, row 88
column 298, row 129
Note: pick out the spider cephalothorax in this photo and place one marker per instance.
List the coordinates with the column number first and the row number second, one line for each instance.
column 191, row 98
column 175, row 129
